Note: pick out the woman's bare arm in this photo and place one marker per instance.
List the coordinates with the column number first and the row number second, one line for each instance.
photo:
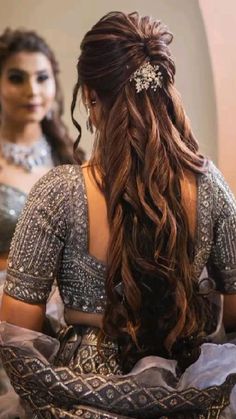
column 19, row 313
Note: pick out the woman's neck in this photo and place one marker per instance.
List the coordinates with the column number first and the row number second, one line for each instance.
column 25, row 134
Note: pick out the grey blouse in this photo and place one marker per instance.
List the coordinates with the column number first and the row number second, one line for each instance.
column 12, row 201
column 51, row 241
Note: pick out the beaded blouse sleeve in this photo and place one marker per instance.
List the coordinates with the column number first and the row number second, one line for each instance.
column 222, row 261
column 39, row 239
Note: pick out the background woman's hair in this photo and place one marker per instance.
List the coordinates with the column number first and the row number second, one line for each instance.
column 14, row 41
column 144, row 147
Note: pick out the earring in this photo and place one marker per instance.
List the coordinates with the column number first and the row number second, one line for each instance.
column 49, row 115
column 89, row 124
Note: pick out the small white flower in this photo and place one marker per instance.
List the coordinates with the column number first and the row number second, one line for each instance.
column 147, row 75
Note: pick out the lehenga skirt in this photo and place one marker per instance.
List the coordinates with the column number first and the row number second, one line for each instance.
column 70, row 378
column 10, row 403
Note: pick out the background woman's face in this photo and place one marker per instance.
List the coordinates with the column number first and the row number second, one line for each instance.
column 27, row 88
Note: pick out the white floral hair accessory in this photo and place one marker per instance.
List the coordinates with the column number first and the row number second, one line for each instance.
column 147, row 75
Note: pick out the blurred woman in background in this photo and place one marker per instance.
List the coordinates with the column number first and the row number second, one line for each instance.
column 33, row 137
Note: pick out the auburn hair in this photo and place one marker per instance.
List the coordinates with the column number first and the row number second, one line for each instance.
column 144, row 145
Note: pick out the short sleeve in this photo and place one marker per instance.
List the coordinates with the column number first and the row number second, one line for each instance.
column 222, row 261
column 39, row 238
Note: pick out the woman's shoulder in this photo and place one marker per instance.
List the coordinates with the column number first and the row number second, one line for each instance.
column 212, row 175
column 218, row 190
column 218, row 180
column 58, row 182
column 65, row 173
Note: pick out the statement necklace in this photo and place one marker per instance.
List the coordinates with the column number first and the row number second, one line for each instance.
column 27, row 157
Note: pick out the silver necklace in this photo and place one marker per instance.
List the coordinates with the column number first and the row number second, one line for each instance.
column 27, row 157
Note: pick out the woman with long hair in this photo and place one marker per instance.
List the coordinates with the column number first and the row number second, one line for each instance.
column 33, row 137
column 127, row 236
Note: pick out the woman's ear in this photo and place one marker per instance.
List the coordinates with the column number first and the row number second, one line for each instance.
column 89, row 96
column 92, row 105
column 84, row 94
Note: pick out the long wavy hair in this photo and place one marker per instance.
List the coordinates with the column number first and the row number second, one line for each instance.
column 14, row 41
column 144, row 146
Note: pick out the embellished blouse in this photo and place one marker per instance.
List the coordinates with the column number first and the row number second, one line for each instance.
column 51, row 241
column 12, row 201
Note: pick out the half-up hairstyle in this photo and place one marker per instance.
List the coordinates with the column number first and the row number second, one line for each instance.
column 14, row 41
column 144, row 145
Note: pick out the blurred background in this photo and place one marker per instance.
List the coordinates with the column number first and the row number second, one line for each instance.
column 204, row 49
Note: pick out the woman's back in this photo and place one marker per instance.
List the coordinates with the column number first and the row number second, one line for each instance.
column 130, row 245
column 62, row 210
column 77, row 213
column 98, row 228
